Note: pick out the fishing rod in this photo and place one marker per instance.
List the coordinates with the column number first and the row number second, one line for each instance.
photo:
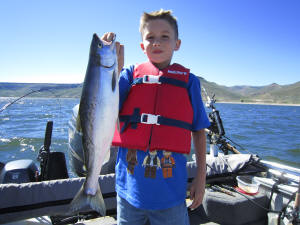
column 27, row 94
column 296, row 213
column 42, row 89
column 44, row 152
column 11, row 103
column 216, row 131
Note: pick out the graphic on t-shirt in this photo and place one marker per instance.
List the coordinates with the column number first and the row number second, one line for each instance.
column 131, row 159
column 151, row 163
column 167, row 164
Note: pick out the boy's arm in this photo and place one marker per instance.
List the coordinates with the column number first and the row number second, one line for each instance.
column 197, row 188
column 120, row 55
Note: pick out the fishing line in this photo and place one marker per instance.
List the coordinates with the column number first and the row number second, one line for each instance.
column 251, row 200
column 238, row 145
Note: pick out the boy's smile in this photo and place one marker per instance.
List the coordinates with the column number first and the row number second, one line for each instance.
column 159, row 42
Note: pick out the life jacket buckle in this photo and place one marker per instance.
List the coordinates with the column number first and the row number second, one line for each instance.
column 149, row 118
column 151, row 79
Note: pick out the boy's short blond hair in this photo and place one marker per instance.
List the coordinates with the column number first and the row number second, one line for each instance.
column 160, row 14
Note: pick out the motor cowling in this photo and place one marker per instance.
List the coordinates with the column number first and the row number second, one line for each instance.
column 19, row 171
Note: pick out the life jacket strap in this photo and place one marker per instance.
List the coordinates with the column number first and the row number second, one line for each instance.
column 152, row 79
column 151, row 119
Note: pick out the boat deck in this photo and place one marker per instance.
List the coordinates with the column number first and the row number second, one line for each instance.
column 102, row 220
column 111, row 221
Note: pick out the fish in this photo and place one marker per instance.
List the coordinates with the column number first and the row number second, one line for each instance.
column 96, row 120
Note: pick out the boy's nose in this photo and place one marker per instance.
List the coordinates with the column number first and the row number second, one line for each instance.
column 156, row 43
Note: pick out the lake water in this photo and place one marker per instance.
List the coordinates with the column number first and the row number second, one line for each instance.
column 272, row 132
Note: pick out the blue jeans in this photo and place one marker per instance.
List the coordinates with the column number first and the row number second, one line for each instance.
column 130, row 215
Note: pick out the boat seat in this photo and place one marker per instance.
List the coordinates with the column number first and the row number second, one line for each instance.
column 228, row 210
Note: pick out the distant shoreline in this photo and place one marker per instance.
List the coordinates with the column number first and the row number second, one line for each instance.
column 40, row 97
column 222, row 102
column 259, row 103
column 274, row 94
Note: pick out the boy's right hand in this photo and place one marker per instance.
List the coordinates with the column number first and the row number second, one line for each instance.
column 108, row 37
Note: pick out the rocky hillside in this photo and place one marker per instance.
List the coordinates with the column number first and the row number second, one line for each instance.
column 273, row 93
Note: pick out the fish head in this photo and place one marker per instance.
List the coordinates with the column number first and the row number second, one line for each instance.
column 103, row 53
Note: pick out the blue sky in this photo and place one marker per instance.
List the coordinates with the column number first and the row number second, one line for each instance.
column 229, row 42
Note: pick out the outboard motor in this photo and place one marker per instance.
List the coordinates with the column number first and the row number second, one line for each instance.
column 53, row 164
column 19, row 171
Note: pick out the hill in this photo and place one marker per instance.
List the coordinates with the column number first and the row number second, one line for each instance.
column 273, row 93
column 40, row 90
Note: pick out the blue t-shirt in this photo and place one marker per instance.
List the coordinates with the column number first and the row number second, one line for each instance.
column 155, row 181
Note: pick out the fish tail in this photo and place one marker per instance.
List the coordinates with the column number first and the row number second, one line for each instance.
column 82, row 201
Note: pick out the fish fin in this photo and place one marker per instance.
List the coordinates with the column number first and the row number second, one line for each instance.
column 78, row 123
column 83, row 202
column 97, row 202
column 77, row 201
column 107, row 157
column 114, row 81
column 84, row 168
column 118, row 125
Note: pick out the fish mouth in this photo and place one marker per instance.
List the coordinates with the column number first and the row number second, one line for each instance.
column 108, row 67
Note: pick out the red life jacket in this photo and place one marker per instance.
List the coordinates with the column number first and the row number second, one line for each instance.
column 157, row 114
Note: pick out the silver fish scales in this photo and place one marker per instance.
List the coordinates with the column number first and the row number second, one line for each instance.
column 97, row 117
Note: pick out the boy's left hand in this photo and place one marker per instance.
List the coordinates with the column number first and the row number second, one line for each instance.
column 197, row 190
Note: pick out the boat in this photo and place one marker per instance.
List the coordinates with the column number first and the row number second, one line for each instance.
column 241, row 189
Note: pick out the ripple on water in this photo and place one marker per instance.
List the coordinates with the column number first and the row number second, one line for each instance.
column 295, row 152
column 283, row 161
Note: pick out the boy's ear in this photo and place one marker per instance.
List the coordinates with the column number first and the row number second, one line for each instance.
column 142, row 47
column 177, row 46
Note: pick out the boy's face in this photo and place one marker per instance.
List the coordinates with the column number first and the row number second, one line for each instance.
column 159, row 42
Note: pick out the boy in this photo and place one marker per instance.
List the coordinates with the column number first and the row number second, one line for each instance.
column 160, row 104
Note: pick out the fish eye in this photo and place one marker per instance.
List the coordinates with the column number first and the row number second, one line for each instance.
column 100, row 45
